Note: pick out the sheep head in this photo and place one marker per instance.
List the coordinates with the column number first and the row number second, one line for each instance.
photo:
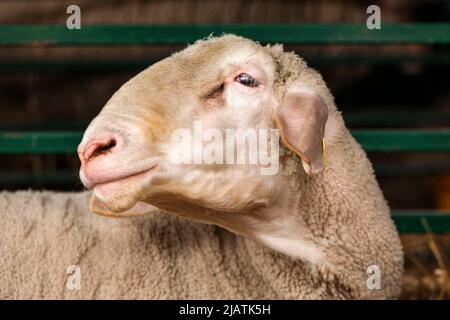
column 143, row 150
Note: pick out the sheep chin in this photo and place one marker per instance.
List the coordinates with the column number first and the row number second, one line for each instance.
column 138, row 209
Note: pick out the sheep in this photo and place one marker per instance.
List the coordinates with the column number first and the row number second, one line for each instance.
column 316, row 228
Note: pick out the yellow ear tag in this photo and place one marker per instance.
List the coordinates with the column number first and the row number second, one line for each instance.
column 324, row 152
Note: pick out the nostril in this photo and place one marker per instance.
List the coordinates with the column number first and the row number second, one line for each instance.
column 96, row 149
column 103, row 149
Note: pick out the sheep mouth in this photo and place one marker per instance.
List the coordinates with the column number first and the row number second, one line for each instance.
column 123, row 178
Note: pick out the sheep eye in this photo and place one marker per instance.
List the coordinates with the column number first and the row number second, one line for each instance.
column 247, row 80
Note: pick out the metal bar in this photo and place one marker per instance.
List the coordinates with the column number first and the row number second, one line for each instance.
column 171, row 34
column 39, row 142
column 411, row 221
column 404, row 140
column 371, row 140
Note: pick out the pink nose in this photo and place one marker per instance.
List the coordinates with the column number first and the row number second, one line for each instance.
column 97, row 147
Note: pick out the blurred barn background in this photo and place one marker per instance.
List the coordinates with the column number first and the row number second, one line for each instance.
column 383, row 86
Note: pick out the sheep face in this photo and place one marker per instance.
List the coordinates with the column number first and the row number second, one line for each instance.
column 164, row 137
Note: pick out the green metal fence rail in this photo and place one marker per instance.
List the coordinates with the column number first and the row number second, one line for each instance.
column 371, row 140
column 417, row 221
column 181, row 34
column 404, row 141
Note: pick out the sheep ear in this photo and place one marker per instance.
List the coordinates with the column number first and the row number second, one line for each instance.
column 139, row 209
column 301, row 119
